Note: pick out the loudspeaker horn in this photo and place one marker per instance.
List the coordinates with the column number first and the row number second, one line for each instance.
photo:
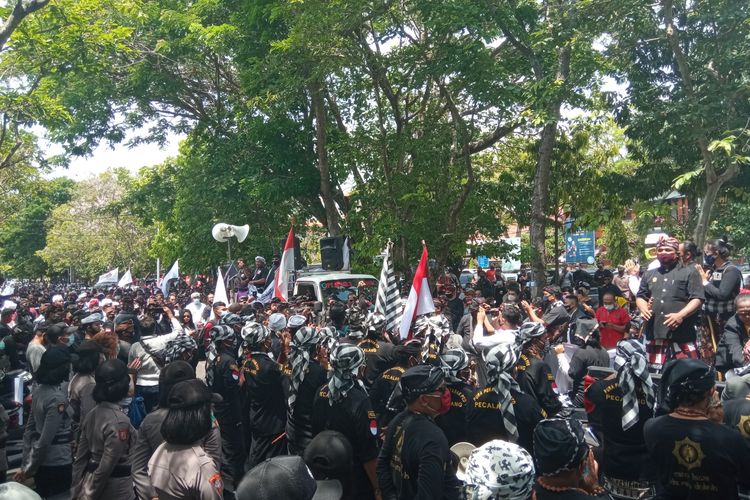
column 222, row 232
column 462, row 451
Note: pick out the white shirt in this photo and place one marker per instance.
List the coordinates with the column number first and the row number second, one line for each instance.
column 482, row 341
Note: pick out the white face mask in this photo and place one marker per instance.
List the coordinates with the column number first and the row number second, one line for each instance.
column 196, row 301
column 609, row 307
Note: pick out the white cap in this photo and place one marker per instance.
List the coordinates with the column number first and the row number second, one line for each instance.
column 82, row 295
column 106, row 302
column 195, row 295
column 9, row 305
column 57, row 298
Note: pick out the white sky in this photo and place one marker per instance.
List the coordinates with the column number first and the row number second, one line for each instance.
column 107, row 157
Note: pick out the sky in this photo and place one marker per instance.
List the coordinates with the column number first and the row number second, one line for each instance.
column 107, row 157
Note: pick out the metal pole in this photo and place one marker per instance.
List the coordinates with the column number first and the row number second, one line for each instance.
column 158, row 269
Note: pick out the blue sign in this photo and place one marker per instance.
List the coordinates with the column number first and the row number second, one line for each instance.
column 483, row 261
column 580, row 247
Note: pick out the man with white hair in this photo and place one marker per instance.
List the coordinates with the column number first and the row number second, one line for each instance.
column 260, row 275
column 57, row 300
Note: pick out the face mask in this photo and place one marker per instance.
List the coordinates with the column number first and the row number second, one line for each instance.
column 710, row 260
column 196, row 301
column 2, row 345
column 609, row 307
column 445, row 402
column 71, row 341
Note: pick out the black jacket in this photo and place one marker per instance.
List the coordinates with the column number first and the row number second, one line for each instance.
column 729, row 351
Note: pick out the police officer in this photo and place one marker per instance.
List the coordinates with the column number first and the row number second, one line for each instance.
column 46, row 439
column 102, row 464
column 455, row 366
column 81, row 387
column 150, row 435
column 499, row 410
column 415, row 461
column 223, row 377
column 304, row 376
column 262, row 389
column 180, row 467
column 342, row 405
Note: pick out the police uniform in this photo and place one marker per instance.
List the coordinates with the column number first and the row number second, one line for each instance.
column 80, row 395
column 102, row 464
column 148, row 440
column 46, row 440
column 534, row 376
column 484, row 419
column 226, row 383
column 353, row 417
column 184, row 472
column 267, row 408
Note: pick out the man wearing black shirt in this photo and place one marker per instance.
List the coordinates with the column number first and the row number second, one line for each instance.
column 415, row 462
column 260, row 274
column 263, row 391
column 455, row 365
column 668, row 299
column 379, row 354
column 694, row 457
column 406, row 355
column 534, row 376
column 342, row 405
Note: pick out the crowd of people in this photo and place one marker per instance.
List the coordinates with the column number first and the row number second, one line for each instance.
column 639, row 391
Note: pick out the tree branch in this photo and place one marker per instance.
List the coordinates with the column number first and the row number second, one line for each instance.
column 20, row 11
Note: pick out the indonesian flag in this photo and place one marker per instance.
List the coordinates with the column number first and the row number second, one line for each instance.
column 286, row 267
column 420, row 298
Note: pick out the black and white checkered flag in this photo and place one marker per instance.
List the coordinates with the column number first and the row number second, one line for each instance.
column 388, row 302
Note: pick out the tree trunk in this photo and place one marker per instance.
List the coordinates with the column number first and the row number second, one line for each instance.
column 326, row 190
column 713, row 188
column 540, row 197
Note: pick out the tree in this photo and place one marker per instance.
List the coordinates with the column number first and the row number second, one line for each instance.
column 93, row 233
column 686, row 63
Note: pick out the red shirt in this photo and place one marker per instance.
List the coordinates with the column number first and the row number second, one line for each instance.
column 617, row 316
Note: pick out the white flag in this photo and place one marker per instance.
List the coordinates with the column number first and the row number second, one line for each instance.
column 173, row 274
column 108, row 277
column 126, row 279
column 220, row 294
column 345, row 256
column 420, row 299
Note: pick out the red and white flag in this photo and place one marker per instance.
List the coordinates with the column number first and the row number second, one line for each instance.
column 420, row 298
column 286, row 267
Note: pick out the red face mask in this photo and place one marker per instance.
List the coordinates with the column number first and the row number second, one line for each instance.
column 445, row 402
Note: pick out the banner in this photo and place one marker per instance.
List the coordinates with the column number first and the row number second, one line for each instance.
column 580, row 246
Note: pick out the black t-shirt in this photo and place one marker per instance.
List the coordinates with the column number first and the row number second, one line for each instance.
column 453, row 423
column 696, row 459
column 484, row 420
column 415, row 462
column 226, row 383
column 582, row 359
column 264, row 394
column 737, row 415
column 624, row 452
column 381, row 391
column 299, row 431
column 379, row 356
column 353, row 417
column 535, row 379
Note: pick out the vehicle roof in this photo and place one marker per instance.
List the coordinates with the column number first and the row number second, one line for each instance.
column 318, row 277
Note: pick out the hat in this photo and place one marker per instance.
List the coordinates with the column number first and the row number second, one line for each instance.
column 254, row 333
column 221, row 332
column 93, row 303
column 107, row 302
column 82, row 295
column 124, row 318
column 276, row 322
column 329, row 455
column 57, row 298
column 666, row 241
column 528, row 331
column 92, row 318
column 195, row 295
column 231, row 319
column 559, row 445
column 8, row 306
column 111, row 371
column 296, row 321
column 176, row 371
column 284, row 477
column 499, row 469
column 684, row 377
column 421, row 379
column 189, row 393
column 260, row 259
